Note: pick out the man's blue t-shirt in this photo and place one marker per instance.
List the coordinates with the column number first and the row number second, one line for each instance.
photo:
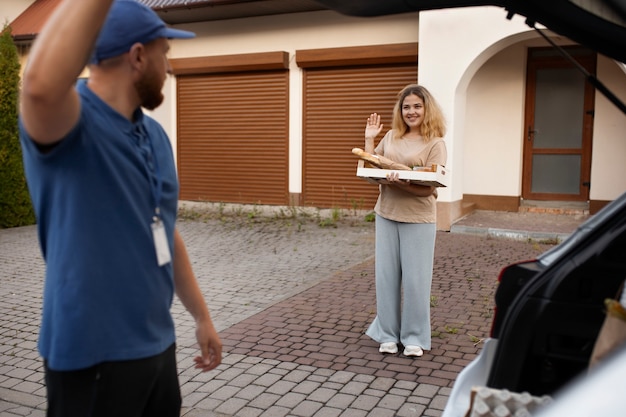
column 105, row 296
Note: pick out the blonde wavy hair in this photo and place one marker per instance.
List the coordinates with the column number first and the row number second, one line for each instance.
column 434, row 124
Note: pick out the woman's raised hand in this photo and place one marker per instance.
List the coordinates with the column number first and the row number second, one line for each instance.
column 373, row 126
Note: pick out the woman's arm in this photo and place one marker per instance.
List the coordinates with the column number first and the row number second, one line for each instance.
column 406, row 185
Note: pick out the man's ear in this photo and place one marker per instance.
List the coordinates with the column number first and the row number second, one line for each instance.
column 137, row 56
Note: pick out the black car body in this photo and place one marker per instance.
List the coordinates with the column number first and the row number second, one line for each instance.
column 550, row 310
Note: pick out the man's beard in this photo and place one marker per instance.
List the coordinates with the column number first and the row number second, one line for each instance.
column 149, row 91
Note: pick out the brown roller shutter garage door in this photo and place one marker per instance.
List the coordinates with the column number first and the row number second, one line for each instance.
column 233, row 137
column 337, row 102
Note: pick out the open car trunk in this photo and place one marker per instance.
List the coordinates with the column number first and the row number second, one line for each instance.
column 597, row 24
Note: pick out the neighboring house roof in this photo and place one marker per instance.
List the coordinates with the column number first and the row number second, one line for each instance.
column 28, row 24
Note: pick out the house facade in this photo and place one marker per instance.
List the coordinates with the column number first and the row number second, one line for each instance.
column 268, row 100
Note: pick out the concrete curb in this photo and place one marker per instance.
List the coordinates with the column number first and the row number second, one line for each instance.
column 509, row 233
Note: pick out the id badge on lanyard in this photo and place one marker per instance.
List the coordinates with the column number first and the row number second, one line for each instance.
column 161, row 246
column 159, row 234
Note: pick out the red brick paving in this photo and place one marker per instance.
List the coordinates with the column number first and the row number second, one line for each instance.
column 324, row 325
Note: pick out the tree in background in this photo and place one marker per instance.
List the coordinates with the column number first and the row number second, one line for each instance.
column 16, row 208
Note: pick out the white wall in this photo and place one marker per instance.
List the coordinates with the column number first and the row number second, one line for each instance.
column 608, row 161
column 481, row 83
column 454, row 44
column 494, row 118
column 11, row 9
column 324, row 29
column 493, row 136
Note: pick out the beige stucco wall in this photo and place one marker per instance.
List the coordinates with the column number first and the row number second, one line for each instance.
column 493, row 135
column 492, row 146
column 455, row 44
column 481, row 87
column 324, row 29
column 10, row 9
column 608, row 161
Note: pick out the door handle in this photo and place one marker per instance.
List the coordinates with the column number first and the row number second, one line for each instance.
column 531, row 133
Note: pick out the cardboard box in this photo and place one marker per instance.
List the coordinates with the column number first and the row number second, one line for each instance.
column 436, row 176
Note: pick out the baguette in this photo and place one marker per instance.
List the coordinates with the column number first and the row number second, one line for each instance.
column 379, row 161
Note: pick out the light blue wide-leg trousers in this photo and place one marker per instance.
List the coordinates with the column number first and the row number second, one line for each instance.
column 404, row 264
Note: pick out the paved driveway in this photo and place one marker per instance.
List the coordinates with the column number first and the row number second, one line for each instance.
column 291, row 300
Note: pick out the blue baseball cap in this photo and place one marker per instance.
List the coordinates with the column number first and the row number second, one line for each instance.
column 130, row 22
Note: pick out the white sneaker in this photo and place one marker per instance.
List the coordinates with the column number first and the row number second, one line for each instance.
column 388, row 347
column 413, row 351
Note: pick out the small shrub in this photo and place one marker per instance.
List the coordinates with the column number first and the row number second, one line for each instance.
column 16, row 208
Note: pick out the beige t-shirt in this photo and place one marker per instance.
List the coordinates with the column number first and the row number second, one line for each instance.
column 402, row 206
